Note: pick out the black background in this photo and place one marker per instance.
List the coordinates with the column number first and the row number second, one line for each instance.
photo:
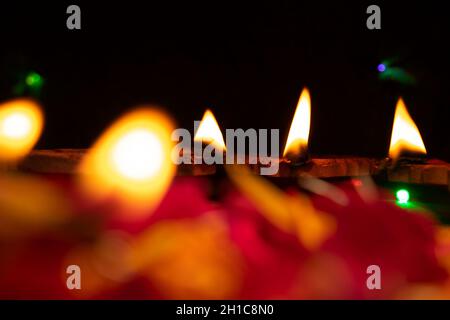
column 248, row 63
column 351, row 309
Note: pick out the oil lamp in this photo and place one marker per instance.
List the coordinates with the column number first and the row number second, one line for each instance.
column 130, row 161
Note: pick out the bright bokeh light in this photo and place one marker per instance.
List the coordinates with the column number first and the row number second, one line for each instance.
column 131, row 160
column 209, row 131
column 138, row 155
column 16, row 126
column 21, row 123
column 402, row 196
column 405, row 134
column 299, row 132
column 381, row 67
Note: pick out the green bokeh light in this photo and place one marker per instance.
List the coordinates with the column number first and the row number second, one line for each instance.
column 387, row 71
column 402, row 196
column 33, row 79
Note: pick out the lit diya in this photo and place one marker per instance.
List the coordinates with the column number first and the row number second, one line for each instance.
column 259, row 241
column 407, row 154
column 129, row 161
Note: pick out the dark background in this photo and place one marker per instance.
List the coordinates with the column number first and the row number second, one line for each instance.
column 248, row 63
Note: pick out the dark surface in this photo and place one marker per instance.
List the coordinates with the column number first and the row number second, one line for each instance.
column 248, row 63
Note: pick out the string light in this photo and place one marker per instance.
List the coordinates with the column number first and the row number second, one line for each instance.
column 402, row 196
column 381, row 67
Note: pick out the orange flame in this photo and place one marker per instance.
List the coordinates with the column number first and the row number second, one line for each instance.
column 131, row 160
column 297, row 141
column 209, row 131
column 405, row 134
column 21, row 123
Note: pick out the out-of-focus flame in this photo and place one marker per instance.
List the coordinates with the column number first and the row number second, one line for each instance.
column 297, row 141
column 131, row 160
column 45, row 207
column 209, row 131
column 292, row 214
column 405, row 134
column 188, row 258
column 21, row 123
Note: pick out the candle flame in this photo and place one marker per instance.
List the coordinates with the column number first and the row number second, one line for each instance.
column 405, row 134
column 297, row 141
column 21, row 123
column 131, row 160
column 209, row 131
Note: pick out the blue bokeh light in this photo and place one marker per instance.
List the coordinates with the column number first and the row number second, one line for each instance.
column 381, row 67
